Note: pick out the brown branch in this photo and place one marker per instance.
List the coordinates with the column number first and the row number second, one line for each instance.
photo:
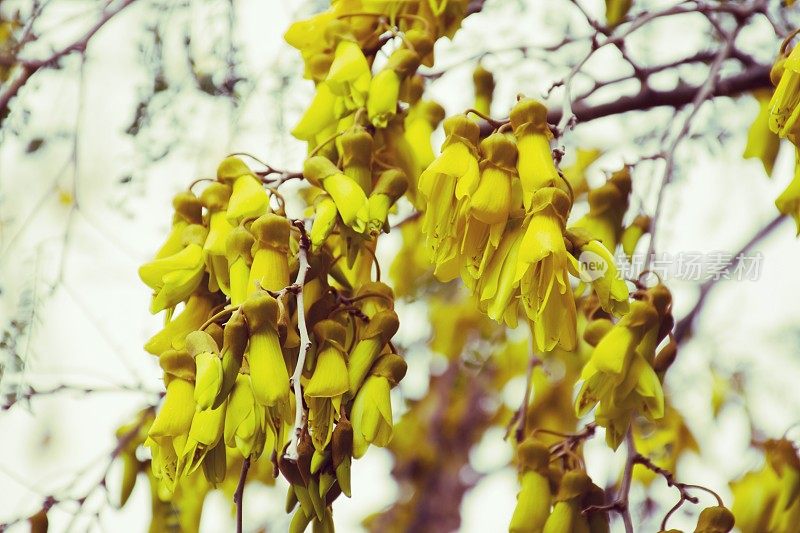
column 238, row 496
column 29, row 68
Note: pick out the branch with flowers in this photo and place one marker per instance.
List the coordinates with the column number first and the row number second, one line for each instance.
column 280, row 348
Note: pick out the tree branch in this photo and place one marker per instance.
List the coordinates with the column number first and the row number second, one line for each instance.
column 29, row 68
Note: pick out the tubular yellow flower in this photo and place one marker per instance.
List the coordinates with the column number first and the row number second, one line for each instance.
column 350, row 199
column 356, row 150
column 349, row 75
column 174, row 278
column 245, row 427
column 325, row 214
column 268, row 373
column 422, row 119
column 205, row 433
column 567, row 516
column 762, row 143
column 188, row 210
column 327, row 385
column 542, row 271
column 483, row 80
column 535, row 164
column 605, row 279
column 208, row 368
column 215, row 198
column 533, row 500
column 372, row 340
column 170, row 429
column 452, row 176
column 270, row 269
column 372, row 409
column 498, row 289
column 620, row 378
column 384, row 90
column 491, row 203
column 785, row 103
column 197, row 310
column 607, row 206
column 238, row 252
column 233, row 347
column 248, row 196
column 308, row 36
column 318, row 116
column 389, row 187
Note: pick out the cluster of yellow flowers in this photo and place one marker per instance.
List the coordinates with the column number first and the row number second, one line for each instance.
column 276, row 348
column 783, row 112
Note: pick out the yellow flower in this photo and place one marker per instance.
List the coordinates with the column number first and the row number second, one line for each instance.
column 788, row 202
column 542, row 271
column 319, row 115
column 490, row 205
column 215, row 198
column 599, row 269
column 533, row 500
column 785, row 103
column 498, row 289
column 371, row 342
column 308, row 36
column 188, row 210
column 607, row 206
column 716, row 519
column 175, row 277
column 325, row 214
column 235, row 338
column 422, row 119
column 208, row 368
column 384, row 91
column 452, row 176
column 248, row 196
column 328, row 384
column 270, row 269
column 245, row 427
column 350, row 199
column 270, row 378
column 195, row 312
column 762, row 143
column 567, row 516
column 355, row 147
column 389, row 187
column 205, row 433
column 170, row 430
column 238, row 252
column 483, row 81
column 535, row 164
column 619, row 378
column 349, row 75
column 371, row 414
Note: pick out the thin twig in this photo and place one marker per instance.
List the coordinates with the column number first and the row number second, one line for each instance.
column 305, row 341
column 238, row 496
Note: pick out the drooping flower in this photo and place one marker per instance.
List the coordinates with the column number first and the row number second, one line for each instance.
column 175, row 277
column 371, row 341
column 785, row 103
column 371, row 414
column 239, row 253
column 452, row 176
column 535, row 164
column 194, row 314
column 270, row 269
column 349, row 74
column 533, row 500
column 215, row 199
column 328, row 384
column 248, row 197
column 483, row 81
column 762, row 142
column 389, row 187
column 268, row 373
column 208, row 368
column 542, row 271
column 188, row 210
column 607, row 206
column 245, row 428
column 349, row 197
